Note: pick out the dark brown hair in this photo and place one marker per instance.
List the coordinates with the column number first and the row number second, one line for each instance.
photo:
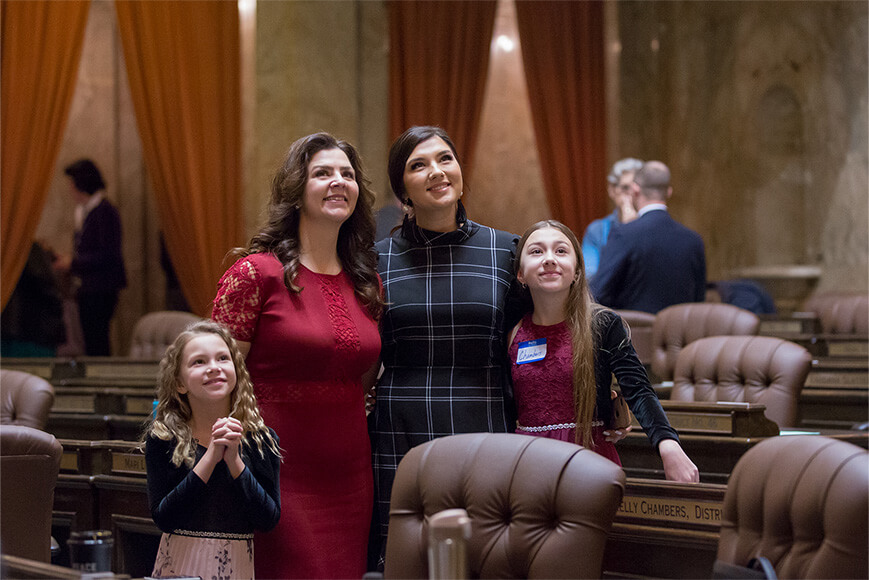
column 280, row 235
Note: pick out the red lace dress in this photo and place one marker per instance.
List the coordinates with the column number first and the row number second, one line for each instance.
column 544, row 389
column 308, row 353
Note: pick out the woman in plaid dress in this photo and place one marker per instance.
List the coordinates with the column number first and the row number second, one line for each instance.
column 446, row 281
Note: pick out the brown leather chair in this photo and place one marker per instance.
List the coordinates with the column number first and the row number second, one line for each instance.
column 29, row 463
column 678, row 325
column 25, row 399
column 155, row 331
column 539, row 508
column 801, row 502
column 747, row 369
column 640, row 324
column 841, row 312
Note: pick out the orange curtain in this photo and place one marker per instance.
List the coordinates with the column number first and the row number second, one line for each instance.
column 183, row 64
column 438, row 62
column 41, row 48
column 563, row 53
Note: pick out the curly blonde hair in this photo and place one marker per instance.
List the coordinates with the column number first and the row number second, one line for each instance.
column 173, row 413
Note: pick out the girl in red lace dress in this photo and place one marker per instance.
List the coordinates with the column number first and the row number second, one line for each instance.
column 565, row 352
column 304, row 299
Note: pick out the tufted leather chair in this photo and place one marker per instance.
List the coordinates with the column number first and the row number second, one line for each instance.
column 29, row 463
column 155, row 331
column 841, row 312
column 539, row 508
column 25, row 399
column 680, row 324
column 800, row 501
column 745, row 369
column 640, row 324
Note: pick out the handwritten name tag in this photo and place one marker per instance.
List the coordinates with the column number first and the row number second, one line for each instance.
column 531, row 351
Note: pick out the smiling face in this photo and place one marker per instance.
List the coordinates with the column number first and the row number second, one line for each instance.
column 207, row 373
column 433, row 180
column 331, row 190
column 548, row 262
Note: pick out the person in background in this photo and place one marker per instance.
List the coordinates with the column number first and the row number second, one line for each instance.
column 97, row 264
column 32, row 321
column 619, row 183
column 303, row 300
column 212, row 464
column 446, row 281
column 654, row 261
column 565, row 352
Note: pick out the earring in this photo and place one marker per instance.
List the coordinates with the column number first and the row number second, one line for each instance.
column 461, row 193
column 297, row 206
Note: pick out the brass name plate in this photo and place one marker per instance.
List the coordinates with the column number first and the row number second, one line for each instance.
column 783, row 326
column 122, row 370
column 139, row 405
column 848, row 348
column 41, row 371
column 128, row 463
column 69, row 461
column 662, row 509
column 837, row 379
column 701, row 422
column 77, row 403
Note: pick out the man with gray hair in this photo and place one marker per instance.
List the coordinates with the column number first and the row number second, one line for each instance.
column 619, row 190
column 654, row 261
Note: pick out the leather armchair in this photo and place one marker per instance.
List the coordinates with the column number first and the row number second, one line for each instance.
column 29, row 463
column 841, row 312
column 800, row 501
column 155, row 331
column 539, row 508
column 640, row 324
column 748, row 369
column 25, row 399
column 681, row 324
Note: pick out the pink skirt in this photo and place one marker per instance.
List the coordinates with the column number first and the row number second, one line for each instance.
column 223, row 556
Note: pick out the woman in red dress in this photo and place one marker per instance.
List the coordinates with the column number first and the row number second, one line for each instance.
column 304, row 299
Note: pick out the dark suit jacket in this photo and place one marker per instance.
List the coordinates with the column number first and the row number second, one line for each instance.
column 649, row 264
column 97, row 259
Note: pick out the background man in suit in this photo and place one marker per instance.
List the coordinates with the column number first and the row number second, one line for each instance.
column 97, row 263
column 654, row 261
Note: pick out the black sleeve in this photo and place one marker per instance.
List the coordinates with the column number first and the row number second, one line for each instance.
column 172, row 491
column 621, row 358
column 259, row 486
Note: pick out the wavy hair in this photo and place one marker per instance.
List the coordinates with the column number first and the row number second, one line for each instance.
column 173, row 413
column 280, row 234
column 583, row 324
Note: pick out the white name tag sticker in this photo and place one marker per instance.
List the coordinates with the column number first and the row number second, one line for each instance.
column 531, row 351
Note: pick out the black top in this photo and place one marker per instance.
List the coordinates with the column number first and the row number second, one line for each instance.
column 615, row 355
column 97, row 259
column 179, row 500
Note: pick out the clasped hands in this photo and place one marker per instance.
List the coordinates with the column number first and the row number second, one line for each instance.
column 226, row 436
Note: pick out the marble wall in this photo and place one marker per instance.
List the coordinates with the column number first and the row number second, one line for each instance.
column 760, row 108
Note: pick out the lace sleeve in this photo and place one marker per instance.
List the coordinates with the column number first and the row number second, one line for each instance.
column 239, row 300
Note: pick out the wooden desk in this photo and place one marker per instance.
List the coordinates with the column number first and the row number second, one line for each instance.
column 56, row 369
column 106, row 397
column 102, row 485
column 713, row 435
column 836, row 394
column 665, row 530
column 95, row 426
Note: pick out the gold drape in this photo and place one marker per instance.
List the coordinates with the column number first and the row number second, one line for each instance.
column 183, row 64
column 563, row 53
column 41, row 50
column 438, row 63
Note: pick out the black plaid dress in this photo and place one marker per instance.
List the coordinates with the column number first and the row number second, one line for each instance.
column 443, row 341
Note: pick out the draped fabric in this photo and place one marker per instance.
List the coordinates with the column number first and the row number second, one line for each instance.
column 438, row 64
column 41, row 49
column 183, row 63
column 563, row 53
